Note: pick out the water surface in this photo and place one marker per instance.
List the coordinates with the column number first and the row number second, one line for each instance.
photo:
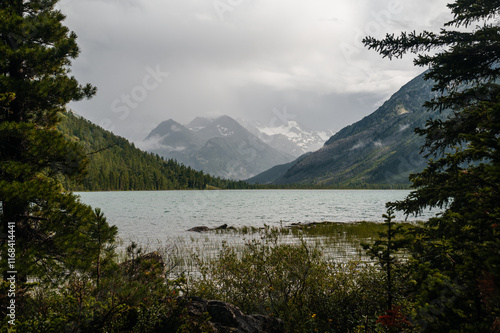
column 159, row 215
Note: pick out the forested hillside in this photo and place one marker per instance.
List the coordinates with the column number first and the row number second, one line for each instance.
column 380, row 150
column 116, row 164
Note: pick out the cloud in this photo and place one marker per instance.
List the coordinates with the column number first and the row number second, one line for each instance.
column 403, row 127
column 258, row 56
column 175, row 128
column 360, row 144
column 154, row 143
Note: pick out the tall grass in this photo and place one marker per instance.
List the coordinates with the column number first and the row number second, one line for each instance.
column 339, row 242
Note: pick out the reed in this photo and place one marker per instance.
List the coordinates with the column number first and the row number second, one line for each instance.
column 338, row 241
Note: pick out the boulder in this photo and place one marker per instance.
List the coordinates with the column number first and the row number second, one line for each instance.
column 204, row 228
column 200, row 229
column 226, row 317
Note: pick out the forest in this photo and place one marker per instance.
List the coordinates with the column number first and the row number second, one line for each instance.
column 115, row 164
column 65, row 270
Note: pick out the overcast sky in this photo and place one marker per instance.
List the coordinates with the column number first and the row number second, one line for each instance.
column 264, row 60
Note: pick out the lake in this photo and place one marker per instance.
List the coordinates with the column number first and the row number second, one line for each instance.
column 160, row 215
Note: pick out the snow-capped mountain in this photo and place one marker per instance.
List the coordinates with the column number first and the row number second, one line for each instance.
column 293, row 138
column 381, row 149
column 220, row 147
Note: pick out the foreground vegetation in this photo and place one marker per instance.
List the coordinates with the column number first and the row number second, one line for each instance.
column 294, row 281
column 440, row 276
column 298, row 281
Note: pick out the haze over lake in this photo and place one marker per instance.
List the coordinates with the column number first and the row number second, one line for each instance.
column 158, row 215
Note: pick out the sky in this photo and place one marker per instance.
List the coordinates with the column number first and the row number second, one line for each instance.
column 264, row 60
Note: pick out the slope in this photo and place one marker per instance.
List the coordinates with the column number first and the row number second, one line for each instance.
column 220, row 146
column 275, row 172
column 381, row 149
column 116, row 164
column 294, row 138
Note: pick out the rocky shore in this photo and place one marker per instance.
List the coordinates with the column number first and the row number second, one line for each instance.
column 225, row 317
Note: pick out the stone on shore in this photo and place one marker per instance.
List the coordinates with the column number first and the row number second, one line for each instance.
column 226, row 317
column 205, row 228
column 199, row 229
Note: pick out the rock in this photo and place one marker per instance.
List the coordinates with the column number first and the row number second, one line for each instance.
column 204, row 228
column 226, row 317
column 200, row 229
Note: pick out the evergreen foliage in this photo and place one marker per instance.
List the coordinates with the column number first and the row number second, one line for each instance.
column 458, row 252
column 131, row 297
column 116, row 164
column 51, row 227
column 385, row 251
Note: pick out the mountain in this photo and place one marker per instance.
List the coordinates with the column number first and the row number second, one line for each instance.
column 199, row 123
column 179, row 137
column 172, row 139
column 275, row 172
column 292, row 137
column 116, row 164
column 381, row 149
column 221, row 147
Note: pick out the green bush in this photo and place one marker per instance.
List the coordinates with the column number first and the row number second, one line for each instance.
column 133, row 296
column 295, row 283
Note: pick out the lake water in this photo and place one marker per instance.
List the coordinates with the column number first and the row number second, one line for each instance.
column 159, row 215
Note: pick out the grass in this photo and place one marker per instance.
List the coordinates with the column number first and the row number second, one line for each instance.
column 339, row 242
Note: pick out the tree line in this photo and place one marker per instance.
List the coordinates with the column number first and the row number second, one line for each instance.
column 115, row 164
column 451, row 274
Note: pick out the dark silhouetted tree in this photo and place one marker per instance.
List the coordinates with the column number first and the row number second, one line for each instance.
column 52, row 228
column 457, row 254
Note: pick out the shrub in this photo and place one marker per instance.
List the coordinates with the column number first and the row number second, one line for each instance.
column 130, row 297
column 295, row 283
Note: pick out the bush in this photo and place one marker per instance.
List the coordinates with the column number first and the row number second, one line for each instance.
column 130, row 297
column 295, row 283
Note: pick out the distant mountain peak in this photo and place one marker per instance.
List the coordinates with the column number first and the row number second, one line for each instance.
column 224, row 131
column 199, row 123
column 219, row 146
column 165, row 128
column 225, row 118
column 292, row 137
column 380, row 149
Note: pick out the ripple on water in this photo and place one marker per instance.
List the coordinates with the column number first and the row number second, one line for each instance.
column 176, row 211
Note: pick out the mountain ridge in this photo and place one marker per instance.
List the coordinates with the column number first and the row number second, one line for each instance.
column 220, row 146
column 291, row 137
column 115, row 164
column 380, row 149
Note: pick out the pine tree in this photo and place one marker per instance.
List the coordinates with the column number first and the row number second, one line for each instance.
column 51, row 225
column 457, row 254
